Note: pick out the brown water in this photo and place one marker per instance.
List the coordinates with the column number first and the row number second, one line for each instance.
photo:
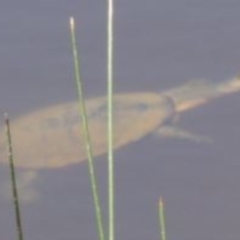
column 158, row 46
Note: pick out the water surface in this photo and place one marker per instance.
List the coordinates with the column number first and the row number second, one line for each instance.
column 158, row 45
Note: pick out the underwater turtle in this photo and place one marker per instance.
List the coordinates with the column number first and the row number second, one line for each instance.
column 52, row 137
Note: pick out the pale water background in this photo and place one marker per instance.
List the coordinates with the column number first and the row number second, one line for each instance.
column 159, row 45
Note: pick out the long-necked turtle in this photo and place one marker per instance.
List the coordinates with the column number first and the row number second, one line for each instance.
column 52, row 137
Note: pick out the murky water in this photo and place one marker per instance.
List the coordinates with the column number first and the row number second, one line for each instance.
column 158, row 46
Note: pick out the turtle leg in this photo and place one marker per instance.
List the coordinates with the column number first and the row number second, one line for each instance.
column 27, row 193
column 175, row 132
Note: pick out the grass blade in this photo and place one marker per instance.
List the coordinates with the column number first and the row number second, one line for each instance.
column 110, row 121
column 83, row 113
column 162, row 220
column 13, row 179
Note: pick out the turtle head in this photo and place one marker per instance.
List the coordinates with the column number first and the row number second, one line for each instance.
column 230, row 86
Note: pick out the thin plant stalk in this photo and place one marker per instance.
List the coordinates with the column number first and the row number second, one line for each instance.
column 82, row 108
column 111, row 195
column 13, row 179
column 162, row 220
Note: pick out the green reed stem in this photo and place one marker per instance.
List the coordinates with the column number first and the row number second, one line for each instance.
column 110, row 121
column 13, row 179
column 83, row 112
column 162, row 220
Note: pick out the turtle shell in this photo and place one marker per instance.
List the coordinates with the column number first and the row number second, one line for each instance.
column 52, row 137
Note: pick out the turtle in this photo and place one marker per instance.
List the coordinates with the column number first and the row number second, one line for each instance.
column 51, row 137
